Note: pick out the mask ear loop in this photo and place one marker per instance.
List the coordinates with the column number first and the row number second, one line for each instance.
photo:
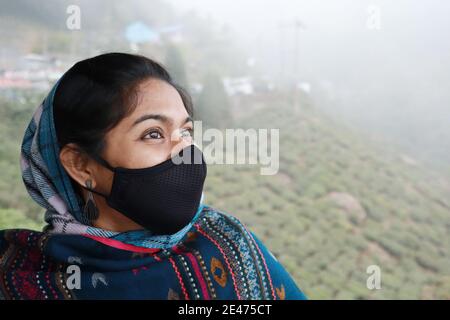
column 105, row 164
column 96, row 192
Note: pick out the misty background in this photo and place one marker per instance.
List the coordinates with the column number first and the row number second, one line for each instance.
column 393, row 82
column 360, row 91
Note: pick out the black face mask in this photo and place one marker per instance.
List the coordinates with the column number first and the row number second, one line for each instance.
column 163, row 198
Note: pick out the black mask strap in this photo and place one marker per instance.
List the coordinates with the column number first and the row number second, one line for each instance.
column 96, row 192
column 103, row 162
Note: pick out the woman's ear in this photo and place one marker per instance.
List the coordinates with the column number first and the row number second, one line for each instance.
column 77, row 164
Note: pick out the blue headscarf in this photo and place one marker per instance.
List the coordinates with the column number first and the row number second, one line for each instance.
column 50, row 186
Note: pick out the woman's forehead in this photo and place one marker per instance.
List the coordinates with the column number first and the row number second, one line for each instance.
column 158, row 95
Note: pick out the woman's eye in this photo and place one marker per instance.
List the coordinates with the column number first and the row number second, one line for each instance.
column 187, row 132
column 154, row 134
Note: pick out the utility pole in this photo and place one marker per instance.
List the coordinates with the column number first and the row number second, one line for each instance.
column 293, row 78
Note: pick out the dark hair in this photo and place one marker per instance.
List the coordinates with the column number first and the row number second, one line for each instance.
column 97, row 93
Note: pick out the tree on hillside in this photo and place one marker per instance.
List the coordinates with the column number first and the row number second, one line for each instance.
column 213, row 106
column 175, row 63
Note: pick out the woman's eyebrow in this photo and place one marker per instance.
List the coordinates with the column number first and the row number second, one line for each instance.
column 158, row 117
column 188, row 119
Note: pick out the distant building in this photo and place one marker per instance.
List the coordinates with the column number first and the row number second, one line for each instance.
column 240, row 85
column 32, row 71
column 304, row 86
column 138, row 32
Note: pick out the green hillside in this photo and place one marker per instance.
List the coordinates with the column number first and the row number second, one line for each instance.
column 339, row 203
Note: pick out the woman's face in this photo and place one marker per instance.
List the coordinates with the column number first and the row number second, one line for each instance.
column 158, row 128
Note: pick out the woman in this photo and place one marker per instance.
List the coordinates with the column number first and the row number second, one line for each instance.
column 109, row 155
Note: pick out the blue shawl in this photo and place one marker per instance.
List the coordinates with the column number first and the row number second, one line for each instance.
column 213, row 257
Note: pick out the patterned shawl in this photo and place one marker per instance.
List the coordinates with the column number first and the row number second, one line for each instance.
column 214, row 257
